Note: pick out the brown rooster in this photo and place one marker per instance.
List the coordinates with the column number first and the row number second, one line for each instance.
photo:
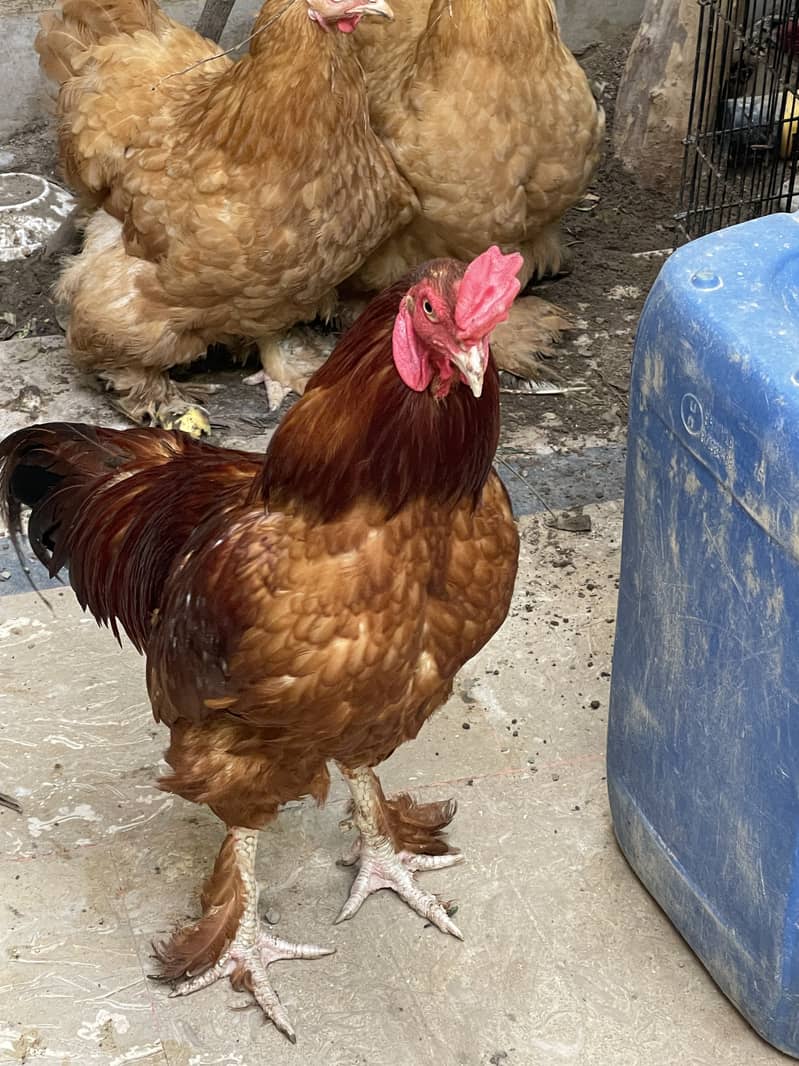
column 309, row 607
column 493, row 123
column 228, row 199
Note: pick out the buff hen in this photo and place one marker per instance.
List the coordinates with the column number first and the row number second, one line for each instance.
column 492, row 121
column 227, row 199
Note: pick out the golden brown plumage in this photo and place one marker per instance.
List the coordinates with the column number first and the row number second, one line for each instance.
column 492, row 121
column 309, row 607
column 229, row 198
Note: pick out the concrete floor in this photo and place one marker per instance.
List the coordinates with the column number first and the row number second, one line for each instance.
column 566, row 957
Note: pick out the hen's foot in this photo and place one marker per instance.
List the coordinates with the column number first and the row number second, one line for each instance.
column 245, row 957
column 245, row 962
column 288, row 362
column 191, row 419
column 275, row 392
column 381, row 865
column 153, row 399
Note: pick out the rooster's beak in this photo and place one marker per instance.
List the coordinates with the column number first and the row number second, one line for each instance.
column 472, row 363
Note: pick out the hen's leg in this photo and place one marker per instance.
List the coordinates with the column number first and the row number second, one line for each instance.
column 150, row 397
column 118, row 326
column 288, row 362
column 230, row 901
column 384, row 865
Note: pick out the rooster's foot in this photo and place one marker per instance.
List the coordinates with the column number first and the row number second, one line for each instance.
column 383, row 866
column 245, row 962
column 252, row 949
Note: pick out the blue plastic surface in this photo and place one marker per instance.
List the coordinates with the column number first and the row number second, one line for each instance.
column 703, row 738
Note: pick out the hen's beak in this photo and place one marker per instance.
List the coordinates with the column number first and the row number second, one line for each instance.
column 374, row 7
column 472, row 364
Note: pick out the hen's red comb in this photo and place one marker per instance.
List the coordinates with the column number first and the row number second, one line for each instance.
column 486, row 292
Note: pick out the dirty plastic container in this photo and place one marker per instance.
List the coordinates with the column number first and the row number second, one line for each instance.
column 703, row 736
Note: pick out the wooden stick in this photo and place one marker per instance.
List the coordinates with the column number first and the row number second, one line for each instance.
column 214, row 17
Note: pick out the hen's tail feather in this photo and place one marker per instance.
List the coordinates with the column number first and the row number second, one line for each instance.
column 192, row 950
column 115, row 506
column 66, row 33
column 522, row 344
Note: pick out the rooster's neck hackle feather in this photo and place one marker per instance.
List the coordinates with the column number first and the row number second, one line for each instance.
column 360, row 433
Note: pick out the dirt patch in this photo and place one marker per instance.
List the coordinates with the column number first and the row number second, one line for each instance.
column 26, row 306
column 611, row 275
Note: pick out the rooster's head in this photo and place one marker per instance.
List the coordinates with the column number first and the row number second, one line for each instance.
column 445, row 320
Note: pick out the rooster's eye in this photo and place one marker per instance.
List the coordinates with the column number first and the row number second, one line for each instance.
column 427, row 307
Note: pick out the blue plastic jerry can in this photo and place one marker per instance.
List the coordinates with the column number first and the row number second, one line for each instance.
column 703, row 735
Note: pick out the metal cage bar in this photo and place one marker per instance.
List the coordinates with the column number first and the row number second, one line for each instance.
column 742, row 145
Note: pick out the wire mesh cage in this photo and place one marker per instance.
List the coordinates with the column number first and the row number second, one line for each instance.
column 742, row 146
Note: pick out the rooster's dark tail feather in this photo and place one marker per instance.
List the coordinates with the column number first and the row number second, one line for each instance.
column 115, row 506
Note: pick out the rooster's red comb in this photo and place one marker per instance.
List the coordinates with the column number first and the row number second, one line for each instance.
column 486, row 292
